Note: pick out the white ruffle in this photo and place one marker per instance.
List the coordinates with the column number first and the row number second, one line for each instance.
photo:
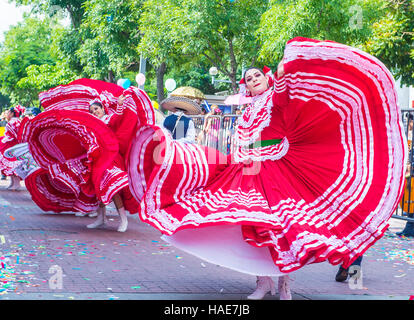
column 254, row 125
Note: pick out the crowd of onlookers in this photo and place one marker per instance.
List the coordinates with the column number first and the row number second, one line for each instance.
column 215, row 128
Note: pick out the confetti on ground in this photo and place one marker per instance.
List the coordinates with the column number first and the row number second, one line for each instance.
column 406, row 255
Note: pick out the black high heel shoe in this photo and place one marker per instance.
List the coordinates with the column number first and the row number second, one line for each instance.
column 342, row 274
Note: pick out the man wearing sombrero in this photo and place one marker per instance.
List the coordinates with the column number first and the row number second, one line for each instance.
column 182, row 102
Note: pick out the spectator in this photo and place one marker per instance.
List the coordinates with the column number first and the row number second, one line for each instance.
column 178, row 123
column 212, row 127
column 3, row 120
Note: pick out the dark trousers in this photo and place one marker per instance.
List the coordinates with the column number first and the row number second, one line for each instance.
column 357, row 261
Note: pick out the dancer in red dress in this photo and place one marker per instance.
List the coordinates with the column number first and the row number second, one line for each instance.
column 317, row 172
column 82, row 152
column 97, row 109
column 10, row 139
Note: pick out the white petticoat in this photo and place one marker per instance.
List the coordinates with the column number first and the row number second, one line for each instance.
column 224, row 245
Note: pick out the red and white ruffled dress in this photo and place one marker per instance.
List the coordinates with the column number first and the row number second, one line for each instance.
column 82, row 155
column 10, row 139
column 317, row 172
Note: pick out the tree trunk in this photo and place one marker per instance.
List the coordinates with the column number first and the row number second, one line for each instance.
column 74, row 17
column 160, row 83
column 111, row 77
column 233, row 67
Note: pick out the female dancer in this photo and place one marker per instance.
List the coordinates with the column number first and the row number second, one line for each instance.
column 82, row 153
column 317, row 171
column 8, row 165
column 97, row 109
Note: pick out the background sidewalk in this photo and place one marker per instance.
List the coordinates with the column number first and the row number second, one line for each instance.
column 107, row 265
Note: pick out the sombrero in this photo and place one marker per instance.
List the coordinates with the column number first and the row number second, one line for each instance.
column 188, row 92
column 186, row 99
column 186, row 105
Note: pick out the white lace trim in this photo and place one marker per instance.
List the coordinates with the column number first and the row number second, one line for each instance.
column 255, row 124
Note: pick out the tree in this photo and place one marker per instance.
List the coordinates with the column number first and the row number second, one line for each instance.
column 109, row 38
column 220, row 31
column 102, row 38
column 26, row 44
column 43, row 77
column 52, row 7
column 392, row 39
column 65, row 41
column 223, row 31
column 344, row 21
column 161, row 31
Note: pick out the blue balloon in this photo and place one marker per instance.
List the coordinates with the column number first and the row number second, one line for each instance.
column 126, row 83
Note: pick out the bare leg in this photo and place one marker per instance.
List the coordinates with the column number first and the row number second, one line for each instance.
column 14, row 183
column 101, row 220
column 122, row 213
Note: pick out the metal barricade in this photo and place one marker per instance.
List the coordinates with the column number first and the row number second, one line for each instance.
column 215, row 131
column 405, row 210
column 228, row 129
column 198, row 124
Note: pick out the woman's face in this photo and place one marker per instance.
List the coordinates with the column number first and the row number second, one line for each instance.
column 97, row 111
column 9, row 115
column 256, row 82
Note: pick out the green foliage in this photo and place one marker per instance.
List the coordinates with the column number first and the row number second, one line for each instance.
column 162, row 29
column 65, row 44
column 189, row 31
column 74, row 8
column 4, row 102
column 195, row 76
column 392, row 39
column 43, row 77
column 344, row 21
column 26, row 44
column 110, row 37
column 182, row 39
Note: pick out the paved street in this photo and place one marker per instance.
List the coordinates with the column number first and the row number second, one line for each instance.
column 104, row 264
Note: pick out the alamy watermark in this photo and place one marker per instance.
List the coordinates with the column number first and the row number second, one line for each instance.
column 355, row 22
column 56, row 280
column 355, row 279
column 211, row 155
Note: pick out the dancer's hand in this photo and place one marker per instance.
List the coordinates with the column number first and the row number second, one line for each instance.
column 280, row 69
column 121, row 100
